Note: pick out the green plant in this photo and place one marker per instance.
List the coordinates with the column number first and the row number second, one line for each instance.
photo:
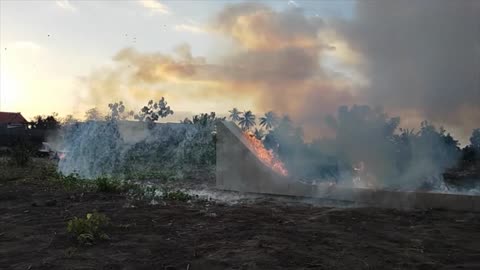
column 139, row 192
column 104, row 184
column 177, row 195
column 89, row 229
column 68, row 182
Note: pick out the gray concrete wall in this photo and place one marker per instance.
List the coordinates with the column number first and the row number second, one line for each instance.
column 239, row 169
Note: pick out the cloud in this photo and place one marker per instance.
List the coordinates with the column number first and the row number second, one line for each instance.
column 155, row 6
column 190, row 28
column 257, row 26
column 65, row 4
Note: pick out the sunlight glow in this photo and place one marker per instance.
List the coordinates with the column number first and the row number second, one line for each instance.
column 8, row 91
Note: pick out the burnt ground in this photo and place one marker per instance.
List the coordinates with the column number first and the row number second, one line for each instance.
column 264, row 234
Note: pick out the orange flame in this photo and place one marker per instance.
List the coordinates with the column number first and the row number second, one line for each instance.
column 266, row 155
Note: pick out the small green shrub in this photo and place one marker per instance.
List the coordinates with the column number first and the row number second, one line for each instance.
column 104, row 184
column 71, row 181
column 90, row 229
column 68, row 182
column 177, row 195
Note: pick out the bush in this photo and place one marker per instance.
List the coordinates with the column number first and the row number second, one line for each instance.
column 69, row 182
column 133, row 190
column 90, row 229
column 108, row 185
column 177, row 195
column 72, row 181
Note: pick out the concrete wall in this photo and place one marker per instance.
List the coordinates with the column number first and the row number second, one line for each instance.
column 239, row 169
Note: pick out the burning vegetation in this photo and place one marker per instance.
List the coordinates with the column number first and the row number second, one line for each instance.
column 124, row 144
column 267, row 156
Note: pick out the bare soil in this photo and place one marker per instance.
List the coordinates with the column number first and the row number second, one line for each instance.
column 266, row 234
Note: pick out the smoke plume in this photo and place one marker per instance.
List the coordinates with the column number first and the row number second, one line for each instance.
column 419, row 60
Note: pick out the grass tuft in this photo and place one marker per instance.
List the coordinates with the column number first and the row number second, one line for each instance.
column 176, row 195
column 90, row 229
column 108, row 185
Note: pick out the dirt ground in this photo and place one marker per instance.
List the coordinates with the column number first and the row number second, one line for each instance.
column 266, row 234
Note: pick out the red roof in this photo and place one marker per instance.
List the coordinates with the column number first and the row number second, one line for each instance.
column 12, row 118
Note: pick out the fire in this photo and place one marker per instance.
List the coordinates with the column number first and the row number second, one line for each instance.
column 266, row 155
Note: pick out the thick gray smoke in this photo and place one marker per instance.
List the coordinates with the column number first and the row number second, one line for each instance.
column 131, row 149
column 370, row 147
column 417, row 59
column 421, row 58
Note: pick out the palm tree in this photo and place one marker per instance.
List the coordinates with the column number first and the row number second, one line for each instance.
column 234, row 115
column 247, row 120
column 269, row 120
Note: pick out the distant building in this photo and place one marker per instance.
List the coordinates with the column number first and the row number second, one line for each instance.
column 10, row 120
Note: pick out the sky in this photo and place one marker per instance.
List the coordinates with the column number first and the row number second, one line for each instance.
column 419, row 60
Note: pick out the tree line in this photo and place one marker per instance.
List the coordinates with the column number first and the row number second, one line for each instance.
column 362, row 134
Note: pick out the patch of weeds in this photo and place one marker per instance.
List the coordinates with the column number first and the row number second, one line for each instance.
column 21, row 155
column 128, row 186
column 89, row 230
column 70, row 182
column 49, row 171
column 101, row 184
column 176, row 195
column 149, row 193
column 141, row 193
column 133, row 190
column 71, row 179
column 36, row 169
column 167, row 175
column 162, row 175
column 108, row 185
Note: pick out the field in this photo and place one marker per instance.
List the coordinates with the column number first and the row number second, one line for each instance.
column 262, row 233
